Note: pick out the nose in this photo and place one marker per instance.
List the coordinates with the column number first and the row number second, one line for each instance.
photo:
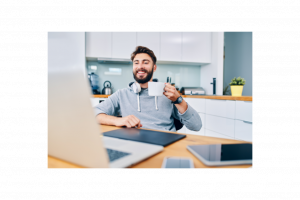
column 140, row 67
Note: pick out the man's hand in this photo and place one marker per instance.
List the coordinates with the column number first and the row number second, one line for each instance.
column 171, row 92
column 128, row 121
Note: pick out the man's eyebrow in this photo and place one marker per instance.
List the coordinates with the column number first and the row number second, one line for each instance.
column 142, row 60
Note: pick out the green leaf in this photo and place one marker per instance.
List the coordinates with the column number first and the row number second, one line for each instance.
column 238, row 81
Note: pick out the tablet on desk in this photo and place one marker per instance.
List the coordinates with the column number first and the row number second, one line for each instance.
column 223, row 154
column 146, row 136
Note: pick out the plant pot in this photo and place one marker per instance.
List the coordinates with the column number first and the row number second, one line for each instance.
column 236, row 90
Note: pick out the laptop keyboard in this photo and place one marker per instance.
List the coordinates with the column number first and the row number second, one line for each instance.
column 114, row 154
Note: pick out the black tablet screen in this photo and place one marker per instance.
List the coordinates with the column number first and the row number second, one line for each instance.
column 224, row 152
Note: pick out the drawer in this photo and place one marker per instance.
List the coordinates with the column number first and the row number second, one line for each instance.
column 220, row 125
column 243, row 110
column 96, row 101
column 197, row 104
column 214, row 134
column 243, row 130
column 222, row 108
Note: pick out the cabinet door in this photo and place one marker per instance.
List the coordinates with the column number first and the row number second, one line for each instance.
column 96, row 101
column 215, row 134
column 243, row 130
column 196, row 47
column 123, row 44
column 98, row 44
column 221, row 125
column 150, row 40
column 222, row 108
column 197, row 104
column 202, row 130
column 171, row 46
column 243, row 110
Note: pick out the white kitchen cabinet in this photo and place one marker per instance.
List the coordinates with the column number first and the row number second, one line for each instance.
column 223, row 118
column 98, row 44
column 171, row 46
column 197, row 104
column 243, row 110
column 243, row 130
column 150, row 40
column 96, row 101
column 222, row 108
column 186, row 47
column 196, row 47
column 123, row 44
column 220, row 125
column 215, row 134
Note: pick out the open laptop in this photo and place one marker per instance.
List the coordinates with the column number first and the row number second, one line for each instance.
column 73, row 133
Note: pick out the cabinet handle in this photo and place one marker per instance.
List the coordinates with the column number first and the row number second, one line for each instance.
column 247, row 122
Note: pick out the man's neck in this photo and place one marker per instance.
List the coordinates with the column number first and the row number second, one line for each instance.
column 145, row 85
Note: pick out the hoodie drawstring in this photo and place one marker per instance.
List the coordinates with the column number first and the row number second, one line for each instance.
column 138, row 100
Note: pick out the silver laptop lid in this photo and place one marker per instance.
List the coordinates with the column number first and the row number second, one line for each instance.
column 73, row 134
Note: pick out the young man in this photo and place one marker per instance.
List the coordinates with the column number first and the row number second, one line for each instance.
column 138, row 109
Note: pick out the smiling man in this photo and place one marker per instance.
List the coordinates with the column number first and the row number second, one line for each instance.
column 138, row 109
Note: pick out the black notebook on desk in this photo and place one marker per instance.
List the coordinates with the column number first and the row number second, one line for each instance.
column 146, row 136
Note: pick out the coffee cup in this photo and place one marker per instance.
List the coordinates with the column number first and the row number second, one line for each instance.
column 156, row 88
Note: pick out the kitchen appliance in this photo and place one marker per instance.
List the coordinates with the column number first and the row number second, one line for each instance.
column 169, row 80
column 94, row 82
column 107, row 89
column 192, row 91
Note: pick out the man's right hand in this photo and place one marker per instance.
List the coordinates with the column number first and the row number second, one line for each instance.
column 128, row 121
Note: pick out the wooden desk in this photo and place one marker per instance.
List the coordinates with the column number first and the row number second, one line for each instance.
column 177, row 149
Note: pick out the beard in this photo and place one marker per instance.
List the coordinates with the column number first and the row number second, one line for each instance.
column 143, row 80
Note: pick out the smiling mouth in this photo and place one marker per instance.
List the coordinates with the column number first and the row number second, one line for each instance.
column 141, row 73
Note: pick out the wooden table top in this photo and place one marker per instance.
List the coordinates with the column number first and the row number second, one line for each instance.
column 177, row 149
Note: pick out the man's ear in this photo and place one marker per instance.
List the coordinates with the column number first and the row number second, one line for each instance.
column 154, row 69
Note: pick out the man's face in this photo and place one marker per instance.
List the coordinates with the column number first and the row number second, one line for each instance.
column 143, row 68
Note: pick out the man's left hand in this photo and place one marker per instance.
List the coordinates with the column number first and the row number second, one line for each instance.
column 171, row 92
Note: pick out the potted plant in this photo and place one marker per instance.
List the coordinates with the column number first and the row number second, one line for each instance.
column 236, row 86
column 226, row 90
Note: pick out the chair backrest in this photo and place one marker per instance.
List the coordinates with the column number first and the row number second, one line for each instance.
column 178, row 124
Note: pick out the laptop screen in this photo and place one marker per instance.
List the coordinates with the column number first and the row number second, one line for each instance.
column 73, row 134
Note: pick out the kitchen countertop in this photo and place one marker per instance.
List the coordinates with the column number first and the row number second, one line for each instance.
column 221, row 97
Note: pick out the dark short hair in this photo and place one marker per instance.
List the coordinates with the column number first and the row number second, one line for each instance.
column 141, row 49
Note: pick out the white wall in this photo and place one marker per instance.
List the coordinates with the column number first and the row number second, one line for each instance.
column 67, row 49
column 181, row 75
column 215, row 69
